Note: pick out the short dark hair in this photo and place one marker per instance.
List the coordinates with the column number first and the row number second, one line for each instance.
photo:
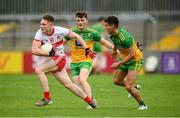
column 100, row 19
column 48, row 18
column 81, row 14
column 112, row 20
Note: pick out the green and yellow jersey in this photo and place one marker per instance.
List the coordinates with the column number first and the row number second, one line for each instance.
column 124, row 40
column 77, row 51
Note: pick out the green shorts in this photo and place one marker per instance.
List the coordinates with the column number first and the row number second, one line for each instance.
column 76, row 67
column 132, row 65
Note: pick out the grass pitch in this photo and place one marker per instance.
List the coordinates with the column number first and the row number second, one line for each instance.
column 161, row 93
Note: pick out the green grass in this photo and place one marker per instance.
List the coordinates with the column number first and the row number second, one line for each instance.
column 18, row 93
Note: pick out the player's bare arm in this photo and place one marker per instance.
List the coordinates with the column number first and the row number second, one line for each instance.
column 128, row 58
column 130, row 55
column 115, row 52
column 78, row 37
column 36, row 50
column 106, row 43
column 110, row 46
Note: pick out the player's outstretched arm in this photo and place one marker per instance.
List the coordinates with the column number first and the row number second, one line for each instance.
column 106, row 43
column 88, row 52
column 79, row 38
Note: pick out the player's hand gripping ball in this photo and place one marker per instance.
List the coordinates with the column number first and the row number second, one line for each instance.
column 47, row 47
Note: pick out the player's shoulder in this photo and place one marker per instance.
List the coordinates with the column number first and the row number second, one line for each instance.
column 59, row 28
column 74, row 28
column 39, row 32
column 91, row 30
column 123, row 30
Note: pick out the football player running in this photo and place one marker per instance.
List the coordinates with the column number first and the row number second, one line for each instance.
column 81, row 65
column 48, row 33
column 130, row 59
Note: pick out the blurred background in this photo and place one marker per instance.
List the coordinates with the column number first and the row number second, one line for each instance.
column 155, row 23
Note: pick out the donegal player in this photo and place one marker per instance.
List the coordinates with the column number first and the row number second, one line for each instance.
column 130, row 58
column 81, row 65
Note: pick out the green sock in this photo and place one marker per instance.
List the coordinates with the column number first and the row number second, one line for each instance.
column 142, row 103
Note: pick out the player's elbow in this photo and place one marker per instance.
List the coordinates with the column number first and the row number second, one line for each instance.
column 74, row 35
column 132, row 54
column 78, row 37
column 34, row 51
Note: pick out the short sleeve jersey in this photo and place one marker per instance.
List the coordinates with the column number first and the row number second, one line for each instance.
column 56, row 38
column 77, row 51
column 124, row 40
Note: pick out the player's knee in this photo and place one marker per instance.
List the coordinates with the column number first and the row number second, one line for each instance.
column 68, row 84
column 38, row 71
column 116, row 82
column 81, row 81
column 128, row 86
column 76, row 80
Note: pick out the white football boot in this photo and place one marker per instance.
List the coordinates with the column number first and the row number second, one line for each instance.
column 89, row 107
column 142, row 107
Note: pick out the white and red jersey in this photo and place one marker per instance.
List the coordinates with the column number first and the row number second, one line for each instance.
column 56, row 38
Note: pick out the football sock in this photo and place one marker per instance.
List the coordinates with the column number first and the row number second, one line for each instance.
column 47, row 95
column 142, row 103
column 88, row 99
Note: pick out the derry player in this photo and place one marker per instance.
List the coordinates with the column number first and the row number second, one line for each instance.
column 48, row 33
